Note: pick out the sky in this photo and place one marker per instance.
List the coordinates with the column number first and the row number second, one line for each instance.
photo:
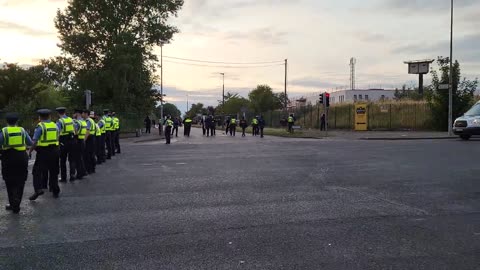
column 318, row 37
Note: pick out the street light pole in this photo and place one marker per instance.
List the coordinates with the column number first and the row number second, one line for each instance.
column 450, row 91
column 161, row 89
column 223, row 97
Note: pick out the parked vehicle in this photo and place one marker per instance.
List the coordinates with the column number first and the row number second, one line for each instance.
column 468, row 125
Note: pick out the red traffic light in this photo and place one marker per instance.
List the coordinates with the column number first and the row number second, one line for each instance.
column 327, row 95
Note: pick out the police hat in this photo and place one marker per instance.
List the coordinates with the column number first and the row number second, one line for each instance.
column 92, row 114
column 11, row 117
column 44, row 112
column 106, row 110
column 61, row 109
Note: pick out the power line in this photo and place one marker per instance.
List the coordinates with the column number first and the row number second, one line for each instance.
column 228, row 63
column 220, row 66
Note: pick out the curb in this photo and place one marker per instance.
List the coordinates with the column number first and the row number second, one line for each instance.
column 407, row 139
column 150, row 140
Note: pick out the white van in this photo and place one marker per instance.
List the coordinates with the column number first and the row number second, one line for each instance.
column 469, row 124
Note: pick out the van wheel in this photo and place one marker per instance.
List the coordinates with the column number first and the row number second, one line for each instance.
column 465, row 137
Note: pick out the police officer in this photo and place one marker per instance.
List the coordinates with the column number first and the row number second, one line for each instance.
column 13, row 142
column 187, row 126
column 116, row 132
column 89, row 154
column 214, row 126
column 65, row 125
column 45, row 143
column 291, row 121
column 168, row 129
column 79, row 144
column 233, row 126
column 255, row 126
column 261, row 125
column 243, row 125
column 108, row 135
column 176, row 123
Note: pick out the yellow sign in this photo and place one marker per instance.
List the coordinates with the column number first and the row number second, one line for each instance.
column 361, row 117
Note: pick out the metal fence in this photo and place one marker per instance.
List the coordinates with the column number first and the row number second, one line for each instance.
column 381, row 116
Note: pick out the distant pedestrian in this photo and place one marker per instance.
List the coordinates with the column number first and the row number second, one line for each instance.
column 204, row 128
column 227, row 125
column 208, row 125
column 214, row 126
column 233, row 126
column 291, row 122
column 153, row 123
column 187, row 125
column 148, row 124
column 176, row 123
column 255, row 126
column 322, row 122
column 261, row 125
column 243, row 125
column 168, row 129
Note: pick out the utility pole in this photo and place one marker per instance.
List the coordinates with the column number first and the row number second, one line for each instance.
column 450, row 91
column 286, row 99
column 187, row 104
column 161, row 89
column 223, row 98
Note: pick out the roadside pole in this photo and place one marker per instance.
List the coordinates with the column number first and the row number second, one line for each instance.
column 325, row 108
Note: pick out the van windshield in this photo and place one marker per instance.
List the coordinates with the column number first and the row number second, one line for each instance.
column 474, row 111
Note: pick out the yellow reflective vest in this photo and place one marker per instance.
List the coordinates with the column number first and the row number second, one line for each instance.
column 49, row 135
column 14, row 138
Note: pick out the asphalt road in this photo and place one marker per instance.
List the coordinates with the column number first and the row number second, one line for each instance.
column 251, row 203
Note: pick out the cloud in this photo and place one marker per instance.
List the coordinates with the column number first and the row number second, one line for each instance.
column 313, row 83
column 424, row 6
column 10, row 26
column 370, row 36
column 465, row 47
column 263, row 35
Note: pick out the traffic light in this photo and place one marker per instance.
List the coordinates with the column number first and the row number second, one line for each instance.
column 327, row 98
column 321, row 98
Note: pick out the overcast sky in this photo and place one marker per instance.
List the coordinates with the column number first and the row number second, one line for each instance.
column 317, row 36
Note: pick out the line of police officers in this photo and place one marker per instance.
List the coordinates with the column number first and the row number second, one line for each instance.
column 81, row 140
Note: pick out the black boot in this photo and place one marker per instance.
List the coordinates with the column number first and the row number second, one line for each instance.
column 36, row 195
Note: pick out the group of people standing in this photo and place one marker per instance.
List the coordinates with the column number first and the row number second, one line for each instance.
column 86, row 140
column 257, row 123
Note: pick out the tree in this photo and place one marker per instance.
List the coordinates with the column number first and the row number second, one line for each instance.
column 262, row 99
column 197, row 108
column 168, row 109
column 463, row 93
column 109, row 47
column 407, row 94
column 234, row 105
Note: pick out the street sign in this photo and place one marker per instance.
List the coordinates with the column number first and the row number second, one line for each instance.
column 444, row 86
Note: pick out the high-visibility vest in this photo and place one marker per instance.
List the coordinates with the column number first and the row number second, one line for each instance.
column 49, row 134
column 98, row 131
column 169, row 123
column 108, row 123
column 254, row 121
column 233, row 121
column 290, row 119
column 67, row 126
column 116, row 123
column 83, row 129
column 93, row 127
column 14, row 138
column 103, row 128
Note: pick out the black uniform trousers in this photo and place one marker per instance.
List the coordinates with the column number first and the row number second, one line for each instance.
column 290, row 127
column 112, row 141
column 78, row 154
column 108, row 144
column 46, row 169
column 89, row 154
column 117, row 141
column 261, row 131
column 254, row 130
column 101, row 147
column 233, row 129
column 98, row 149
column 175, row 131
column 66, row 152
column 14, row 173
column 212, row 130
column 186, row 129
column 168, row 133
